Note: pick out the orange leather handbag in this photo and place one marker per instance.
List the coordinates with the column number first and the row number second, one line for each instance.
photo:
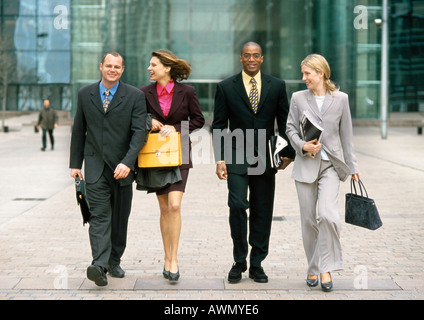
column 161, row 151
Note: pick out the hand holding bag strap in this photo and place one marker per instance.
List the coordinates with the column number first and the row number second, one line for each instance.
column 361, row 185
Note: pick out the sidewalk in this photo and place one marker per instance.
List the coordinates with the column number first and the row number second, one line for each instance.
column 44, row 248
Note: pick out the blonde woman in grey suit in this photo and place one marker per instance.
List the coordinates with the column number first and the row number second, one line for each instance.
column 320, row 166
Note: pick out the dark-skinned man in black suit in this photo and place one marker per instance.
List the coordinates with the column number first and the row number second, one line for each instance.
column 109, row 130
column 242, row 156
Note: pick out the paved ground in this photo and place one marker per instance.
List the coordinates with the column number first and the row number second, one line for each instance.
column 44, row 249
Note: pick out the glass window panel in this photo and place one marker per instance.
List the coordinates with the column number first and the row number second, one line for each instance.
column 47, row 7
column 51, row 38
column 51, row 67
column 12, row 97
column 25, row 34
column 8, row 31
column 27, row 7
column 66, row 98
column 26, row 66
column 29, row 97
column 10, row 7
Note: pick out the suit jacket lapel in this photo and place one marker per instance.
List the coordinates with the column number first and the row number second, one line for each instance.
column 153, row 100
column 241, row 90
column 328, row 101
column 313, row 104
column 117, row 98
column 264, row 90
column 177, row 97
column 95, row 97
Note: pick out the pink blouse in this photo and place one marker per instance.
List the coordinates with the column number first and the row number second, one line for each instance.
column 165, row 95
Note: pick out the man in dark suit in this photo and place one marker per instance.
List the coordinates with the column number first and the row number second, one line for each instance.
column 108, row 132
column 250, row 109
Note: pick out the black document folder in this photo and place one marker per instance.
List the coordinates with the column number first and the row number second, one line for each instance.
column 82, row 200
column 310, row 130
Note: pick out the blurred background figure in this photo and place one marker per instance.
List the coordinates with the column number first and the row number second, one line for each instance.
column 48, row 121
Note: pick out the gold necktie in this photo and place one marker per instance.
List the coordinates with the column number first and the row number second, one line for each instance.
column 254, row 96
column 106, row 102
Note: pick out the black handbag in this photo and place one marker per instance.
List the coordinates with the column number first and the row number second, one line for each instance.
column 82, row 200
column 360, row 210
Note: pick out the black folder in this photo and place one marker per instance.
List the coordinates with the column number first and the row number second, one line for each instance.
column 82, row 200
column 310, row 130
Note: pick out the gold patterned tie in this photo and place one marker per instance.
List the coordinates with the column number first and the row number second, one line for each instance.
column 254, row 96
column 106, row 102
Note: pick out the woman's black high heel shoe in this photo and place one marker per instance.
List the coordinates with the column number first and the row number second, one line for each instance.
column 165, row 273
column 312, row 282
column 327, row 286
column 174, row 276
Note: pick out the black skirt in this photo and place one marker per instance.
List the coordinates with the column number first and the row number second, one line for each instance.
column 178, row 186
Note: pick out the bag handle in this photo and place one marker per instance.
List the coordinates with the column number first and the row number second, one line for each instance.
column 361, row 185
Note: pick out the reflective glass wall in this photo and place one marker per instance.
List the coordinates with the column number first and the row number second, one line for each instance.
column 407, row 56
column 209, row 34
column 35, row 46
column 56, row 45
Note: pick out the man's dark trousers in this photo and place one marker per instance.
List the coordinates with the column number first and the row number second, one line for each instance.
column 110, row 207
column 44, row 138
column 261, row 202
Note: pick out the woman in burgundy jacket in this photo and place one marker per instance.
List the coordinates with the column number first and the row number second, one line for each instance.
column 172, row 106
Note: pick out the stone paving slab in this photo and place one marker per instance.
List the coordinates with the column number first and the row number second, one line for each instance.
column 48, row 283
column 182, row 284
column 8, row 283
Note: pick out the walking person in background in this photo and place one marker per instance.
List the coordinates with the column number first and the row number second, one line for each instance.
column 320, row 166
column 108, row 132
column 48, row 121
column 247, row 102
column 170, row 103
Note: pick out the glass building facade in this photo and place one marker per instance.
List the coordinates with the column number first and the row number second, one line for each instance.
column 58, row 45
column 35, row 53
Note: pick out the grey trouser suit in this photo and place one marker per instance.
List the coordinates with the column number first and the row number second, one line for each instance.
column 320, row 220
column 317, row 180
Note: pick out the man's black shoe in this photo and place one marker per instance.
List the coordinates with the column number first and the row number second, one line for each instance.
column 258, row 274
column 116, row 271
column 97, row 274
column 238, row 268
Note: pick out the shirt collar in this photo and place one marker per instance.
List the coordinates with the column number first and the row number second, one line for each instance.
column 112, row 90
column 169, row 87
column 246, row 77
